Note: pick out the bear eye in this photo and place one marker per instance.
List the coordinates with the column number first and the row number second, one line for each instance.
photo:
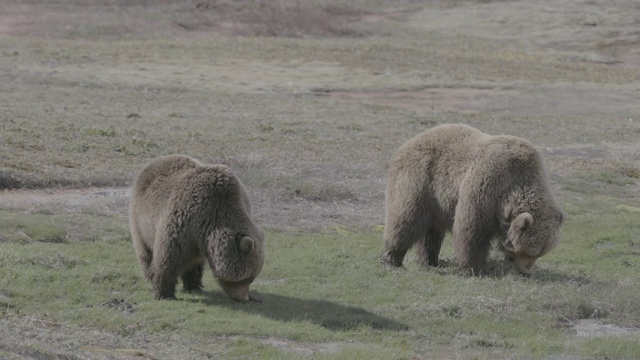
column 504, row 226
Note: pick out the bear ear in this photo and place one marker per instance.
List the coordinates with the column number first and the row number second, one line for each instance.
column 523, row 221
column 247, row 244
column 504, row 226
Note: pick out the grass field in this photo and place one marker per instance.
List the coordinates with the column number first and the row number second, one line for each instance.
column 307, row 102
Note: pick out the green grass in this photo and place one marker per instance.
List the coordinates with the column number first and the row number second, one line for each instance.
column 327, row 296
column 34, row 228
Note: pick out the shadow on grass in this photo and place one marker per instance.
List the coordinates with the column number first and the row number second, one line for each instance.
column 546, row 276
column 332, row 316
column 500, row 268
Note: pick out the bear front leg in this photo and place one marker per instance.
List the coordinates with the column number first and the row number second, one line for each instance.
column 472, row 243
column 471, row 255
column 192, row 277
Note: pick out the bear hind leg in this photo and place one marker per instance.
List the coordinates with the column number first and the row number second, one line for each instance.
column 166, row 266
column 192, row 278
column 401, row 233
column 429, row 248
column 146, row 258
column 144, row 253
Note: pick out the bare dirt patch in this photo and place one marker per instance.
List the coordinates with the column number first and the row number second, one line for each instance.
column 465, row 100
column 106, row 201
column 302, row 348
column 11, row 22
column 594, row 328
column 282, row 210
column 40, row 337
column 581, row 32
column 205, row 18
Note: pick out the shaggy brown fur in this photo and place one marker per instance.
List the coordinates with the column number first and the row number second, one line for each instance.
column 456, row 178
column 183, row 212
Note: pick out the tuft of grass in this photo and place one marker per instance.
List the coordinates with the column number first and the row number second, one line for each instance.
column 108, row 132
column 47, row 227
column 9, row 180
column 613, row 178
column 620, row 347
column 26, row 229
column 297, row 186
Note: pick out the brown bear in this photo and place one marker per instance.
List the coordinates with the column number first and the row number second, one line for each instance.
column 183, row 213
column 459, row 179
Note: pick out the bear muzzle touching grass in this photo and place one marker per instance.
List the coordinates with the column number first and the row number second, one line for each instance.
column 480, row 187
column 183, row 214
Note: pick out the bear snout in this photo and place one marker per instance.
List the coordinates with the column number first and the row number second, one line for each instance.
column 525, row 263
column 239, row 291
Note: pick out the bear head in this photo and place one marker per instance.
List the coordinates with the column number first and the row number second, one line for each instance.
column 236, row 256
column 529, row 233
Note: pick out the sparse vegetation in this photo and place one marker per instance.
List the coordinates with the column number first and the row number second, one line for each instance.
column 307, row 103
column 325, row 292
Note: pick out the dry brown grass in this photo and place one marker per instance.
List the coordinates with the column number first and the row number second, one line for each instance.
column 272, row 18
column 300, row 20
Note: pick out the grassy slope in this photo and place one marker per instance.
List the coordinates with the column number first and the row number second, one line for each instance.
column 327, row 294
